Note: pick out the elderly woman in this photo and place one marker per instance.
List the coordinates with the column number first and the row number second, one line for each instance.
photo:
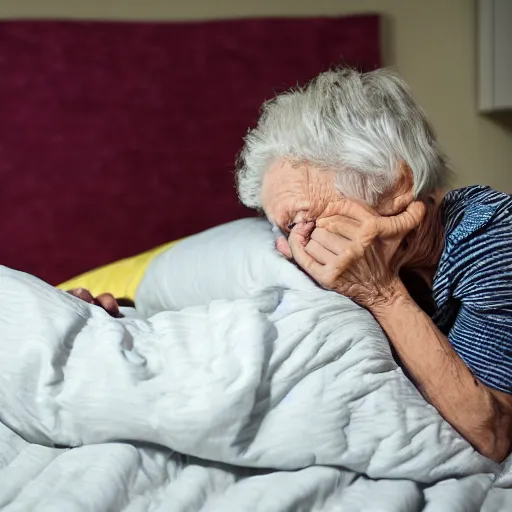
column 351, row 175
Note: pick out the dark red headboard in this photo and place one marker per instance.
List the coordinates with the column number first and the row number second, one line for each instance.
column 117, row 137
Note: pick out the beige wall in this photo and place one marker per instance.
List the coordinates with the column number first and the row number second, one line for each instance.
column 431, row 42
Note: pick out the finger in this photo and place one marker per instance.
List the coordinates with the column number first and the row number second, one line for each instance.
column 320, row 253
column 334, row 243
column 354, row 209
column 403, row 223
column 283, row 247
column 82, row 294
column 341, row 225
column 302, row 258
column 417, row 210
column 108, row 303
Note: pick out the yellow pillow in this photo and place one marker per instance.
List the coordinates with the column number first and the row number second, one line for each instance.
column 120, row 278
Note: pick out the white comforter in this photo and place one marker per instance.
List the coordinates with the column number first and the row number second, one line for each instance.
column 259, row 391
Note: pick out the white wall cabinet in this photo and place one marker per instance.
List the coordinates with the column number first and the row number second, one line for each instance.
column 495, row 55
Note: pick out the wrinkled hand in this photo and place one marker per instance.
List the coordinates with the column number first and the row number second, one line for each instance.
column 105, row 300
column 353, row 253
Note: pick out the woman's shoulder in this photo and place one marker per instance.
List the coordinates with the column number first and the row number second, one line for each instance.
column 470, row 208
column 477, row 255
column 475, row 194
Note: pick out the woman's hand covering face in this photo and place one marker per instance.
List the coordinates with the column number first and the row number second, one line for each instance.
column 353, row 252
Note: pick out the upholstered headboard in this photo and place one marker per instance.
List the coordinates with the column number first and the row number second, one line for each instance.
column 116, row 137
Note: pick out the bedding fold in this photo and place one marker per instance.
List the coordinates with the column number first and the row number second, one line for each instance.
column 285, row 398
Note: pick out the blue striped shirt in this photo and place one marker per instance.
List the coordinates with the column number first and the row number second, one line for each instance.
column 472, row 287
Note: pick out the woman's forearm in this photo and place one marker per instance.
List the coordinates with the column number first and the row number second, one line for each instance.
column 442, row 377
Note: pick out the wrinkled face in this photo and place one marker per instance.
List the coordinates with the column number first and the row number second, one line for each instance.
column 301, row 193
column 292, row 194
column 296, row 196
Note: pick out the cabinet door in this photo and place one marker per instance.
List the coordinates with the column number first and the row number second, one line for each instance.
column 495, row 55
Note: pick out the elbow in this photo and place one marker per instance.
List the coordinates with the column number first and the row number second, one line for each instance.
column 493, row 446
column 494, row 436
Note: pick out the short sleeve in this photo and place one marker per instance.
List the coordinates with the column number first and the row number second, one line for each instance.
column 482, row 337
column 482, row 289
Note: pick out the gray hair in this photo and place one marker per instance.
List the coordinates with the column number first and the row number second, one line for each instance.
column 358, row 124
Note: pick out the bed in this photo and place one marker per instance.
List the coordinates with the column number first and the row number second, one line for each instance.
column 237, row 384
